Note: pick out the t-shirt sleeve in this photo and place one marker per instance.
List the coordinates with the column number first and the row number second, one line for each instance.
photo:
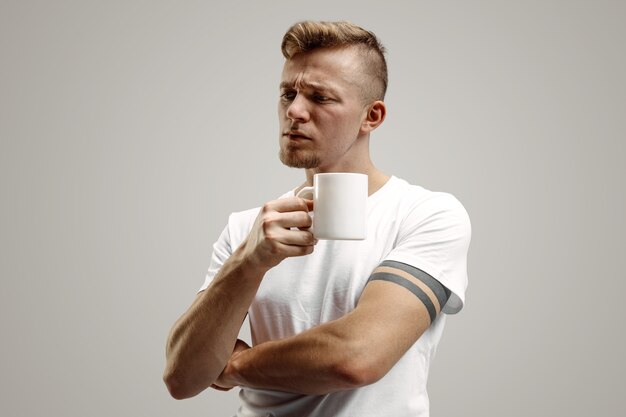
column 236, row 230
column 435, row 237
column 221, row 252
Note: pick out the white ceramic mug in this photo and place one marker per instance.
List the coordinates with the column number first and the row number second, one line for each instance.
column 339, row 205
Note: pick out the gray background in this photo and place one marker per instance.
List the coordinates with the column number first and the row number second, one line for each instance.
column 131, row 129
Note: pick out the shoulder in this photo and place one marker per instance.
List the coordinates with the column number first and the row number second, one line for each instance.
column 434, row 236
column 418, row 202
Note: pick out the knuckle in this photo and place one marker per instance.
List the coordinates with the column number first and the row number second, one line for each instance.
column 268, row 222
column 271, row 237
column 308, row 238
column 275, row 250
column 298, row 204
column 267, row 207
column 303, row 205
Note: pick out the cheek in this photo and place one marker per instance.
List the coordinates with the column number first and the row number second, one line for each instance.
column 336, row 121
column 348, row 126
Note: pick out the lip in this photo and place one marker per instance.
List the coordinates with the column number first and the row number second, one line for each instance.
column 295, row 135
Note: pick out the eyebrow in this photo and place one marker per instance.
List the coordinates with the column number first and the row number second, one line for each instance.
column 308, row 84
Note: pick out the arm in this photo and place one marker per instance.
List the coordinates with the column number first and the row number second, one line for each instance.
column 355, row 350
column 202, row 340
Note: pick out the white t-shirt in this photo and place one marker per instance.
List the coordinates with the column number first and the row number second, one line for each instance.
column 406, row 223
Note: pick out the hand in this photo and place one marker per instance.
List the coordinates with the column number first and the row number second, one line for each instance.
column 280, row 231
column 226, row 381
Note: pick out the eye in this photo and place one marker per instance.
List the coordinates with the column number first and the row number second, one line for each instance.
column 320, row 98
column 288, row 95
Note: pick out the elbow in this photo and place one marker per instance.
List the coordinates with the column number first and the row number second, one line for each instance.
column 178, row 386
column 175, row 386
column 185, row 379
column 358, row 372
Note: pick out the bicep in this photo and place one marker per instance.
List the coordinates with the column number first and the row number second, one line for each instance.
column 397, row 305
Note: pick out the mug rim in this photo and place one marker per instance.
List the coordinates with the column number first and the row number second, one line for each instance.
column 338, row 173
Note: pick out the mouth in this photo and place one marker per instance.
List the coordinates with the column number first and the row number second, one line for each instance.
column 295, row 135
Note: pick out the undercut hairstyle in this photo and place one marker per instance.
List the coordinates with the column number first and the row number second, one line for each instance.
column 309, row 35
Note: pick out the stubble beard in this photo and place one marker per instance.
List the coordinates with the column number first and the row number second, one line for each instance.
column 298, row 159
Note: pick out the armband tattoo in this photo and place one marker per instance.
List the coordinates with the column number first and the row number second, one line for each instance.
column 441, row 292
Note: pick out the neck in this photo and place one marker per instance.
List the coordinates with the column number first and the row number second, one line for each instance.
column 375, row 178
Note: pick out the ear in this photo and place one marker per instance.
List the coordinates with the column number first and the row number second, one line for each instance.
column 376, row 113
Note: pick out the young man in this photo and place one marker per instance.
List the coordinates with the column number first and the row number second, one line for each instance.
column 339, row 328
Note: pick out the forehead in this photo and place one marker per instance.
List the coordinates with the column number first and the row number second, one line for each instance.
column 330, row 68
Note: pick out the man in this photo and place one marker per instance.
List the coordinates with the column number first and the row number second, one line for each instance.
column 339, row 328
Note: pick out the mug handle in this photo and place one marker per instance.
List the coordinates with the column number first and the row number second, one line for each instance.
column 305, row 190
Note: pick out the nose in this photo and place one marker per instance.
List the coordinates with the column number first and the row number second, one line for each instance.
column 298, row 110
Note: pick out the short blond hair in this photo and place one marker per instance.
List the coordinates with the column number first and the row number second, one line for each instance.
column 309, row 35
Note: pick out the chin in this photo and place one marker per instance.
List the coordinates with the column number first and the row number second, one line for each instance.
column 293, row 160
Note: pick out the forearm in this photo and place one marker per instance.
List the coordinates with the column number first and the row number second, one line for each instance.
column 202, row 340
column 321, row 360
column 353, row 351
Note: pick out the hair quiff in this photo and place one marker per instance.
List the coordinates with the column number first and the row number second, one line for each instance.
column 309, row 35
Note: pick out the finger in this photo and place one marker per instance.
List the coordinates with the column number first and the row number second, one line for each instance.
column 298, row 237
column 217, row 387
column 276, row 235
column 294, row 250
column 292, row 219
column 275, row 224
column 288, row 204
